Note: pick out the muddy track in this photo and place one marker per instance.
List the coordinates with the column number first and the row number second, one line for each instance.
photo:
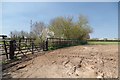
column 90, row 61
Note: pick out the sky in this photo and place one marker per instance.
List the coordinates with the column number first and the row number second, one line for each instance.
column 102, row 16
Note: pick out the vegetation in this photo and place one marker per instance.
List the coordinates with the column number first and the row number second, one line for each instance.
column 56, row 45
column 65, row 27
column 60, row 27
column 102, row 43
column 19, row 34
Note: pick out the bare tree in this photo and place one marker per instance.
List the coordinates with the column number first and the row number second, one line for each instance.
column 19, row 34
column 37, row 29
column 62, row 27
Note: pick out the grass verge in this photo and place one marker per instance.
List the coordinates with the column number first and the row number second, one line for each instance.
column 102, row 43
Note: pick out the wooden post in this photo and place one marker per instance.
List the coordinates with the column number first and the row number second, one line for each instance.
column 19, row 44
column 32, row 47
column 11, row 50
column 47, row 44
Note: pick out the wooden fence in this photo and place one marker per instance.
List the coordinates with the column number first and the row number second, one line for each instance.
column 59, row 42
column 12, row 48
column 15, row 47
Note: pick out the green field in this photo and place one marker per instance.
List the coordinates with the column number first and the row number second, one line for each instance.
column 102, row 43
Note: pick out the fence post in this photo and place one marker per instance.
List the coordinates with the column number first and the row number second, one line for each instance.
column 47, row 44
column 12, row 49
column 32, row 47
column 19, row 44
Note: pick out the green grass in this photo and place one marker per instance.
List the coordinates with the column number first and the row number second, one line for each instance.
column 1, row 42
column 102, row 43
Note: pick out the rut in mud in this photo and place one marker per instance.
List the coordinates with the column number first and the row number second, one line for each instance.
column 89, row 61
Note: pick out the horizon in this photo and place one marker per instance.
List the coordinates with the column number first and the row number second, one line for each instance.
column 102, row 16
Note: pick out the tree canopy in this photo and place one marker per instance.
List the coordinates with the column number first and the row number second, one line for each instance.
column 59, row 27
column 65, row 27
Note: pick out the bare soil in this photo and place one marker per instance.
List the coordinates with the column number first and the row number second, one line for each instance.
column 88, row 61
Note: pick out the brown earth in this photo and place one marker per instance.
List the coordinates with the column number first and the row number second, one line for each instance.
column 89, row 61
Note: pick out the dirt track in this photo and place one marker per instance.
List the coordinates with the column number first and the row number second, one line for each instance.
column 90, row 61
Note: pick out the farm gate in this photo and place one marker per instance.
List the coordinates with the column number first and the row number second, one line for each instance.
column 17, row 47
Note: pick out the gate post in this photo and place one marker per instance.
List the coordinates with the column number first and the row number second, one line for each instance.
column 47, row 44
column 32, row 47
column 19, row 44
column 12, row 49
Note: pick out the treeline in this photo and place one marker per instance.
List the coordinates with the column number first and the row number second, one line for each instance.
column 59, row 27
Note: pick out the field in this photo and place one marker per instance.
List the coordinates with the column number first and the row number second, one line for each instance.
column 102, row 43
column 84, row 61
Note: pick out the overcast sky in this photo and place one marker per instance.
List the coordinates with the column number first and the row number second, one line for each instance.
column 102, row 16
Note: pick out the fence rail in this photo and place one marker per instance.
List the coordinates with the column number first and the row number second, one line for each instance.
column 59, row 42
column 12, row 48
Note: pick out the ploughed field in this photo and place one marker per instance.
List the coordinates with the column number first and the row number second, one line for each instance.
column 87, row 61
